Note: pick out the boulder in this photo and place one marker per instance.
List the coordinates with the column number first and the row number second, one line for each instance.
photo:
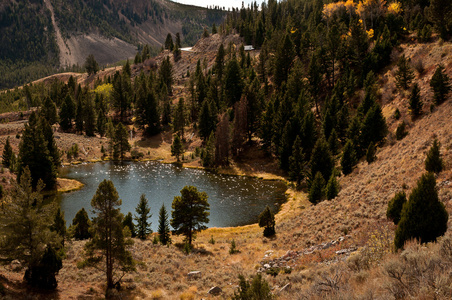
column 215, row 290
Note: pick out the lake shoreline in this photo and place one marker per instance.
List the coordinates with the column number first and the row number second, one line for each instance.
column 66, row 185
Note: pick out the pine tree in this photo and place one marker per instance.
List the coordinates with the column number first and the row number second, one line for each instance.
column 7, row 154
column 434, row 163
column 108, row 242
column 177, row 148
column 373, row 128
column 49, row 111
column 283, row 60
column 423, row 217
column 208, row 157
column 67, row 113
column 404, row 74
column 415, row 101
column 440, row 85
column 395, row 207
column 147, row 113
column 169, row 45
column 296, row 162
column 439, row 13
column 81, row 225
column 267, row 220
column 79, row 115
column 34, row 153
column 166, row 75
column 90, row 117
column 222, row 144
column 91, row 65
column 163, row 230
column 59, row 225
column 321, row 159
column 128, row 222
column 207, row 121
column 190, row 213
column 142, row 217
column 332, row 187
column 316, row 190
column 233, row 82
column 121, row 142
column 370, row 154
column 179, row 121
column 219, row 62
column 348, row 160
column 25, row 228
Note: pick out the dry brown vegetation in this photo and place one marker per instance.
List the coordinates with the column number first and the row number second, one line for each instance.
column 322, row 271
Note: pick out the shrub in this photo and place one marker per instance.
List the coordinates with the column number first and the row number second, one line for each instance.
column 258, row 289
column 233, row 248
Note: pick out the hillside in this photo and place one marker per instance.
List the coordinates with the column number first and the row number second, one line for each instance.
column 318, row 242
column 41, row 38
column 340, row 100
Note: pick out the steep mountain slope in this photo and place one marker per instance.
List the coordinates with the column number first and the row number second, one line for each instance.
column 40, row 37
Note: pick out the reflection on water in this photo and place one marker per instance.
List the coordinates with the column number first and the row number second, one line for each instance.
column 233, row 200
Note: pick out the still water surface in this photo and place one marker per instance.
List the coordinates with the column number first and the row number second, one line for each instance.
column 233, row 200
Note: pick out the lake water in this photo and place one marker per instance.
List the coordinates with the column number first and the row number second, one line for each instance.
column 234, row 200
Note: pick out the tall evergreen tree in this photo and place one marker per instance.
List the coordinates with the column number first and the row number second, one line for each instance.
column 49, row 111
column 207, row 121
column 7, row 154
column 321, row 159
column 348, row 160
column 121, row 142
column 67, row 113
column 296, row 162
column 415, row 101
column 267, row 220
column 79, row 114
column 108, row 242
column 190, row 212
column 177, row 147
column 89, row 117
column 179, row 120
column 166, row 75
column 404, row 74
column 440, row 85
column 148, row 116
column 81, row 225
column 423, row 217
column 283, row 60
column 164, row 230
column 142, row 217
column 59, row 225
column 233, row 84
column 317, row 188
column 34, row 153
column 222, row 143
column 332, row 187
